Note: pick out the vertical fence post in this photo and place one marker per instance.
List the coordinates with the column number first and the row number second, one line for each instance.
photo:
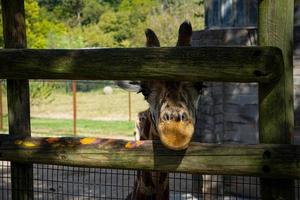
column 74, row 107
column 1, row 106
column 275, row 28
column 14, row 32
column 129, row 106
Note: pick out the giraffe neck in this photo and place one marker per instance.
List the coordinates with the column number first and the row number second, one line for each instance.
column 149, row 185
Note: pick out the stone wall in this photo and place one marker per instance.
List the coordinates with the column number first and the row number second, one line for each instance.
column 229, row 13
column 297, row 13
column 297, row 82
column 228, row 111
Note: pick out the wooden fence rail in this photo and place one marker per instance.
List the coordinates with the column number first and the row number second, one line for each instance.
column 264, row 160
column 271, row 67
column 232, row 64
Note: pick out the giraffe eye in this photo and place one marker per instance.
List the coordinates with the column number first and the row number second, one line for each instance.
column 145, row 91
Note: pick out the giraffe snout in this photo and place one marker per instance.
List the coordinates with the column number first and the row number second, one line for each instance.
column 174, row 116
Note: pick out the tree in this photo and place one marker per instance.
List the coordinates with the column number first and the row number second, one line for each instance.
column 166, row 20
column 72, row 9
column 49, row 4
column 106, row 23
column 92, row 11
column 95, row 37
column 40, row 92
column 39, row 28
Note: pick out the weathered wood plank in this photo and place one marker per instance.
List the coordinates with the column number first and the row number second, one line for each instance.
column 14, row 33
column 234, row 64
column 276, row 121
column 266, row 160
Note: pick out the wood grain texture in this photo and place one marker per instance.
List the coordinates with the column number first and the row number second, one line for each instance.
column 266, row 160
column 232, row 64
column 276, row 121
column 14, row 33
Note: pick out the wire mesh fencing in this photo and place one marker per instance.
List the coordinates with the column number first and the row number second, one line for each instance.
column 55, row 182
column 5, row 180
column 64, row 182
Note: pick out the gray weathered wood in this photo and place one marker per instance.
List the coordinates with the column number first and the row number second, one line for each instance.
column 266, row 160
column 14, row 33
column 276, row 121
column 234, row 64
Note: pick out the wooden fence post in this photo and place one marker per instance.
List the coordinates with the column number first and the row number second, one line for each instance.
column 275, row 28
column 1, row 106
column 14, row 32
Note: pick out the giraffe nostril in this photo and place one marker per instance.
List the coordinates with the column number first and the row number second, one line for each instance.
column 184, row 116
column 166, row 116
column 175, row 116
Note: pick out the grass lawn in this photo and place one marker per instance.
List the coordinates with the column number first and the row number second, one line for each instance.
column 95, row 128
column 97, row 114
column 91, row 105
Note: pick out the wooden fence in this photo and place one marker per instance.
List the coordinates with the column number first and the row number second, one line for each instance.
column 271, row 67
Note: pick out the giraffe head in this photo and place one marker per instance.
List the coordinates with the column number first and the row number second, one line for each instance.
column 172, row 104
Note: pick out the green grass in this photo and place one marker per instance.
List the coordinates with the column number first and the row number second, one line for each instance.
column 98, row 114
column 64, row 127
column 92, row 105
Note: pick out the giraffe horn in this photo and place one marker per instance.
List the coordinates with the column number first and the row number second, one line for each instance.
column 185, row 34
column 151, row 38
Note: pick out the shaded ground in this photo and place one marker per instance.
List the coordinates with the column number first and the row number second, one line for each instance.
column 54, row 182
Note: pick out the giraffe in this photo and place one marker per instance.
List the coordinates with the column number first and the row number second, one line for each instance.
column 170, row 117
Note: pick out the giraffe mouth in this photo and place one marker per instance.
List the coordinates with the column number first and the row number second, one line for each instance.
column 176, row 135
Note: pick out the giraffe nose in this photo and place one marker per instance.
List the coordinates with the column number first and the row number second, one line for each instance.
column 174, row 116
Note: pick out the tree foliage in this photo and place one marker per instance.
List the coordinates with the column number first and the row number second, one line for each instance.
column 102, row 23
column 41, row 92
column 106, row 23
column 39, row 28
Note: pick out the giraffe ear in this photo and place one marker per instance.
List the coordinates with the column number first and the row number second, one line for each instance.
column 130, row 86
column 185, row 34
column 152, row 40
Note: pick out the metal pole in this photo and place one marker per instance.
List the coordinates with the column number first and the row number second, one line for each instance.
column 74, row 107
column 129, row 106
